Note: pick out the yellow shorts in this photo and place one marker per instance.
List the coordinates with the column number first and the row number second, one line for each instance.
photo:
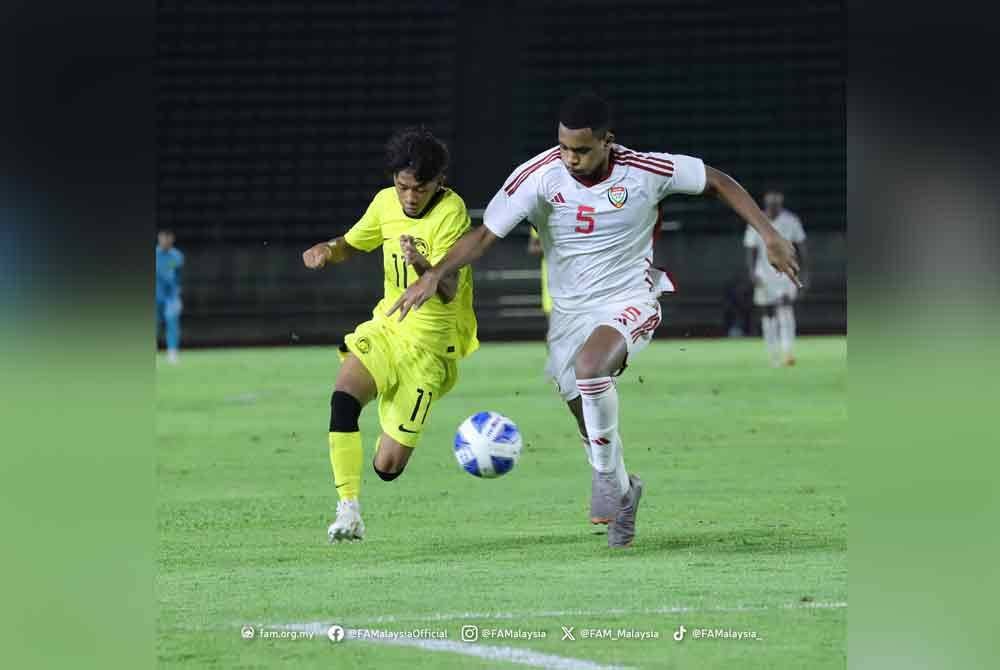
column 409, row 380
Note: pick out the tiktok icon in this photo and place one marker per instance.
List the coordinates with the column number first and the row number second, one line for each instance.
column 679, row 633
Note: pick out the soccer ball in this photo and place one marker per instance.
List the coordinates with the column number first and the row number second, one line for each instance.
column 487, row 445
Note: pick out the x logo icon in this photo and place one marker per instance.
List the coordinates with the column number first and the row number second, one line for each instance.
column 568, row 633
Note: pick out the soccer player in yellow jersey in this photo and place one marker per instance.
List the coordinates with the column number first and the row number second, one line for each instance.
column 535, row 249
column 409, row 365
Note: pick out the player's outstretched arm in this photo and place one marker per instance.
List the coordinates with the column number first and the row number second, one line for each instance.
column 467, row 249
column 780, row 251
column 447, row 287
column 327, row 253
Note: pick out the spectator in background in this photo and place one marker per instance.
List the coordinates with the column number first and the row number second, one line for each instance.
column 774, row 293
column 169, row 261
column 535, row 249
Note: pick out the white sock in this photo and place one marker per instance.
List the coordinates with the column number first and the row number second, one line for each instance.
column 600, row 413
column 623, row 482
column 769, row 327
column 621, row 474
column 786, row 328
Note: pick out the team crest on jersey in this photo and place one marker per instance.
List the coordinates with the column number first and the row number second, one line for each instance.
column 363, row 345
column 421, row 246
column 617, row 195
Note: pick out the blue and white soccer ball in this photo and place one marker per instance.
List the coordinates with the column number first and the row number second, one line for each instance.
column 487, row 445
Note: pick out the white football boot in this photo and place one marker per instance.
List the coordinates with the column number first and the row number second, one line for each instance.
column 621, row 530
column 348, row 527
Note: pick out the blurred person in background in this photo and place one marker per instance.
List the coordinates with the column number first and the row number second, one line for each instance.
column 169, row 261
column 774, row 293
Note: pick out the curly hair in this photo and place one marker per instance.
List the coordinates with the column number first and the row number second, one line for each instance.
column 416, row 149
column 586, row 110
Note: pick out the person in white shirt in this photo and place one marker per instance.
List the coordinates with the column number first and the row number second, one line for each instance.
column 774, row 293
column 595, row 204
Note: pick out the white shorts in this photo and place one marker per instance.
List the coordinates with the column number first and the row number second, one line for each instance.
column 568, row 331
column 775, row 291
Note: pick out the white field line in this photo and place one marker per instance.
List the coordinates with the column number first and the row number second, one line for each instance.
column 534, row 659
column 489, row 616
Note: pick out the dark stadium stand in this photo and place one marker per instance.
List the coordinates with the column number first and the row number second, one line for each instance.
column 271, row 120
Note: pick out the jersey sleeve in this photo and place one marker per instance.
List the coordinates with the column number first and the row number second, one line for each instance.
column 453, row 226
column 366, row 234
column 688, row 175
column 515, row 202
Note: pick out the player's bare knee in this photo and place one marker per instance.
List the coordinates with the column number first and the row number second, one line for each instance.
column 388, row 474
column 591, row 364
column 390, row 459
column 388, row 465
column 353, row 379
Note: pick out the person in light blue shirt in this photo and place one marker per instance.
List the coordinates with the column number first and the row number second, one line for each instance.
column 169, row 262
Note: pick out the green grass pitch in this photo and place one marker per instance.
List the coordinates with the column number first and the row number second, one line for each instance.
column 743, row 525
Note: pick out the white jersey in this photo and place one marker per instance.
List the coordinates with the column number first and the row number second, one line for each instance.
column 788, row 226
column 597, row 238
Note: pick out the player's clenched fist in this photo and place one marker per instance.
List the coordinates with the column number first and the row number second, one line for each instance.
column 316, row 256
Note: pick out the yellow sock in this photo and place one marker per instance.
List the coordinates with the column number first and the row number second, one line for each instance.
column 345, row 459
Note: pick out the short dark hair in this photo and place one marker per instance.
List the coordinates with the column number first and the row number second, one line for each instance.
column 586, row 110
column 416, row 149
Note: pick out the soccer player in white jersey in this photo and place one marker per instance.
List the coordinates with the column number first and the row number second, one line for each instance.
column 596, row 205
column 775, row 294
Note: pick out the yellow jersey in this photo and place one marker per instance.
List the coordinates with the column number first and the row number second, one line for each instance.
column 546, row 298
column 448, row 330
